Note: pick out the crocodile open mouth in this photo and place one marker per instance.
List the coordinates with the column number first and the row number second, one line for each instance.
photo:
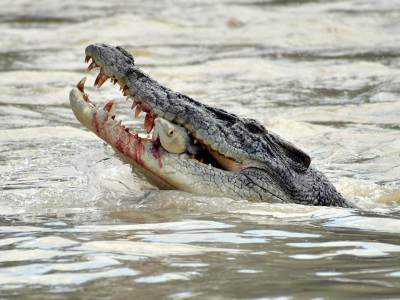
column 205, row 155
column 234, row 157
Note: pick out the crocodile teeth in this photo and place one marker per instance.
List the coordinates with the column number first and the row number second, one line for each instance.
column 109, row 105
column 133, row 105
column 145, row 107
column 100, row 79
column 125, row 90
column 137, row 111
column 91, row 67
column 148, row 123
column 81, row 85
column 87, row 58
column 114, row 81
column 150, row 128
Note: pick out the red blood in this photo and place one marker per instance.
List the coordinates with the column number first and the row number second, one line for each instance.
column 96, row 126
column 120, row 144
column 139, row 150
column 157, row 155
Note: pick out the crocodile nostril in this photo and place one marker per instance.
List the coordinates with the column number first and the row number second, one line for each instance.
column 126, row 53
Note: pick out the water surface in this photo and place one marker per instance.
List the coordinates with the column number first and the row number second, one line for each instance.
column 75, row 222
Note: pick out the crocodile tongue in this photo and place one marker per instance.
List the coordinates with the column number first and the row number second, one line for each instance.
column 227, row 163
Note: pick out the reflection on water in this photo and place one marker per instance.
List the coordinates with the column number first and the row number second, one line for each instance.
column 75, row 221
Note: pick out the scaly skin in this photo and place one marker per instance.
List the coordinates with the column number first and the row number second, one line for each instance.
column 254, row 164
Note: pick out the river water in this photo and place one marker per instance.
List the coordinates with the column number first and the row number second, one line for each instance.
column 76, row 223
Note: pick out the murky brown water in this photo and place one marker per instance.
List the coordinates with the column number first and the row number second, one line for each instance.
column 76, row 223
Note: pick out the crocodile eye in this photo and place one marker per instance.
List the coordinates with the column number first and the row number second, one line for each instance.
column 254, row 129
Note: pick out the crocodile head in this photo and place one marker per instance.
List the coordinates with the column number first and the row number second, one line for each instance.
column 238, row 157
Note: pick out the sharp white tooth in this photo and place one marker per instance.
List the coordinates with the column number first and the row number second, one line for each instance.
column 109, row 105
column 112, row 111
column 129, row 97
column 137, row 111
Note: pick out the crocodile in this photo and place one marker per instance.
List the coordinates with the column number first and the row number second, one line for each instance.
column 238, row 158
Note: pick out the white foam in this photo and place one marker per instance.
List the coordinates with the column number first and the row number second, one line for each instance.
column 167, row 277
column 48, row 242
column 354, row 248
column 63, row 278
column 147, row 249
